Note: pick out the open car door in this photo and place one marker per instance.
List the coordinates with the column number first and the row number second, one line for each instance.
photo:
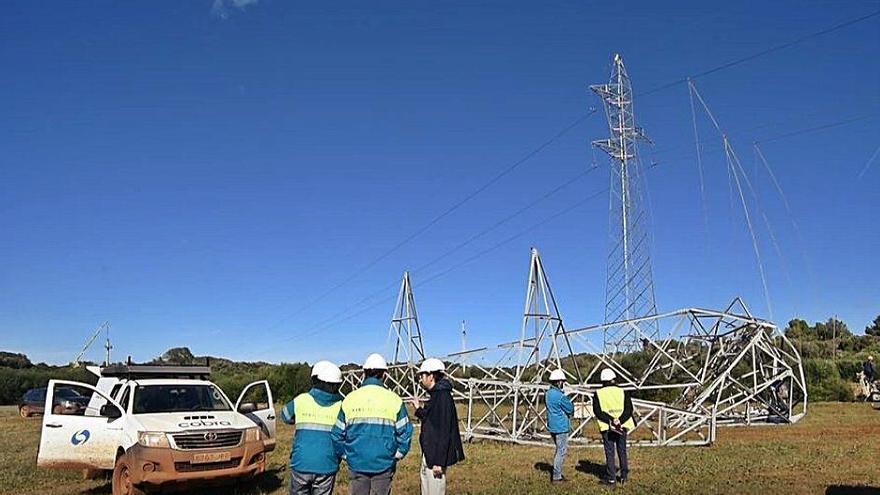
column 75, row 435
column 256, row 402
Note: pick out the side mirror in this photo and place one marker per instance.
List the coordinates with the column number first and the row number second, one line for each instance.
column 247, row 408
column 110, row 411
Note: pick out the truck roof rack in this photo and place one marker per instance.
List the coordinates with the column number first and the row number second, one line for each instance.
column 140, row 371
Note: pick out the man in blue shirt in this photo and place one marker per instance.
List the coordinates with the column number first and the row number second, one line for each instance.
column 559, row 412
column 314, row 461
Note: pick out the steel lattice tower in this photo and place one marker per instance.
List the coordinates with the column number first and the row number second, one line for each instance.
column 629, row 287
column 405, row 327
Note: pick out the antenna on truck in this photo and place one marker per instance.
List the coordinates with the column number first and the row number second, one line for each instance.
column 103, row 327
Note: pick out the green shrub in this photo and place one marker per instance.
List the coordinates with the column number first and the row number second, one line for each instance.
column 824, row 382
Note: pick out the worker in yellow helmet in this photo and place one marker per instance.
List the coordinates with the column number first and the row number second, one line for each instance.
column 613, row 410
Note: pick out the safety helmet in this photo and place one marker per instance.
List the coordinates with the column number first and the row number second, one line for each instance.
column 320, row 365
column 870, row 358
column 557, row 375
column 375, row 362
column 327, row 372
column 432, row 365
column 607, row 375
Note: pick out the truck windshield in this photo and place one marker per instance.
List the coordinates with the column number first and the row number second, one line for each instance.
column 150, row 399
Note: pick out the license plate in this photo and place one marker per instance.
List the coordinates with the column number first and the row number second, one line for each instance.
column 211, row 457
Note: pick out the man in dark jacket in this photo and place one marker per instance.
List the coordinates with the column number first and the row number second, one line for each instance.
column 439, row 437
column 869, row 370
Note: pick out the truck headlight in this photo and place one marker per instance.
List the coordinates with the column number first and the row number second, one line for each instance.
column 153, row 439
column 252, row 435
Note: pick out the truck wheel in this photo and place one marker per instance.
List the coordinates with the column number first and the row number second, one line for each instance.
column 122, row 478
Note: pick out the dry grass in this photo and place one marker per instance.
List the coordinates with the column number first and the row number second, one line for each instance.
column 836, row 446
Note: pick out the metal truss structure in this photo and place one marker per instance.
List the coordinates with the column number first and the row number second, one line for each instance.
column 691, row 369
column 407, row 350
column 505, row 401
column 703, row 368
column 629, row 286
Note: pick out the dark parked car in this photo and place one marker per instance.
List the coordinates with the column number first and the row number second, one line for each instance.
column 66, row 401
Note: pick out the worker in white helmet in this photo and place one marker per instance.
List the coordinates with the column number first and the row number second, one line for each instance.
column 613, row 410
column 869, row 370
column 372, row 431
column 314, row 461
column 559, row 412
column 439, row 438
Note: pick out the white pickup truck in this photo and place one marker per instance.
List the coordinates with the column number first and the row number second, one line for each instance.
column 156, row 426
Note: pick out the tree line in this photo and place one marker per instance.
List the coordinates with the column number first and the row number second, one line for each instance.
column 831, row 352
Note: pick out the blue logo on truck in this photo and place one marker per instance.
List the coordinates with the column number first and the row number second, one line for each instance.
column 80, row 437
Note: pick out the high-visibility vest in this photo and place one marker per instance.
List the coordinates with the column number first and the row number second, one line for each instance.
column 371, row 404
column 611, row 400
column 313, row 416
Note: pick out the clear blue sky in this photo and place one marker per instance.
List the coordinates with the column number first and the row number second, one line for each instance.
column 195, row 174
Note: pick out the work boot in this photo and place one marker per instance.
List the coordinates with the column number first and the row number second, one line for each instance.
column 560, row 480
column 607, row 483
column 621, row 480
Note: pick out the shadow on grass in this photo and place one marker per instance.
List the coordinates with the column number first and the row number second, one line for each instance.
column 545, row 468
column 106, row 489
column 269, row 481
column 587, row 466
column 851, row 490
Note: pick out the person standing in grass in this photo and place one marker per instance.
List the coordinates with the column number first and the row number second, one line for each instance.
column 869, row 370
column 559, row 412
column 439, row 438
column 613, row 410
column 372, row 431
column 313, row 458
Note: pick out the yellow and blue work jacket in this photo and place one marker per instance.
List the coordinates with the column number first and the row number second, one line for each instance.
column 612, row 401
column 372, row 430
column 314, row 414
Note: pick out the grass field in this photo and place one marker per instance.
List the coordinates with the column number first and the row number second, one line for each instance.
column 835, row 449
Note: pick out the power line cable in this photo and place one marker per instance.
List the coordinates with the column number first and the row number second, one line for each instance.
column 558, row 135
column 470, row 240
column 817, row 128
column 478, row 255
column 436, row 219
column 764, row 52
column 869, row 162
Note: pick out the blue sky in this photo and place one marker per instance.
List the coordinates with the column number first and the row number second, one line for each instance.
column 197, row 174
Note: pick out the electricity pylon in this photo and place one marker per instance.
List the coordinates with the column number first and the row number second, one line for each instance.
column 629, row 287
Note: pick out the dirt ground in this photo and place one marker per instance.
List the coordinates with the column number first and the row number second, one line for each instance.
column 834, row 450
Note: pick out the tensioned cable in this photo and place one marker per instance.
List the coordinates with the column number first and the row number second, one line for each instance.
column 760, row 154
column 557, row 136
column 700, row 168
column 741, row 133
column 551, row 193
column 436, row 219
column 764, row 52
column 732, row 164
column 869, row 162
column 470, row 240
column 446, row 271
column 817, row 128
